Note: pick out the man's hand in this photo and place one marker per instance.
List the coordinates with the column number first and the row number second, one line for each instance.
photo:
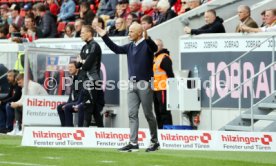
column 14, row 105
column 187, row 30
column 146, row 34
column 63, row 108
column 100, row 31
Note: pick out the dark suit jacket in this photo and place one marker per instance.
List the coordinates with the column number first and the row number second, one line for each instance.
column 249, row 22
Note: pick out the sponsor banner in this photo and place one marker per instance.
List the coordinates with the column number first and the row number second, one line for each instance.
column 42, row 110
column 243, row 141
column 233, row 44
column 82, row 137
column 211, row 60
column 168, row 139
column 217, row 140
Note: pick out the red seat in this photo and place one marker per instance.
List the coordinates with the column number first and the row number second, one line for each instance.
column 77, row 8
column 61, row 26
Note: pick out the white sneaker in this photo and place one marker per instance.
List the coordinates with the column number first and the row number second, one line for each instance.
column 19, row 133
column 13, row 132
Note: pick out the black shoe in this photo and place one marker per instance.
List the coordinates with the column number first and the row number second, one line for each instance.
column 153, row 147
column 129, row 148
column 3, row 131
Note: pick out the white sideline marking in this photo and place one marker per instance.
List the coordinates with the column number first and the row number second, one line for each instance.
column 27, row 164
column 52, row 158
column 106, row 161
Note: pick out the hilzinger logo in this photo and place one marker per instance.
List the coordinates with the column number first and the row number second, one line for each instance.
column 205, row 138
column 120, row 136
column 78, row 135
column 265, row 140
column 43, row 103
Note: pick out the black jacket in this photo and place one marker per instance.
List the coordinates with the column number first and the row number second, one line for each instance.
column 166, row 63
column 167, row 16
column 14, row 94
column 92, row 54
column 76, row 87
column 48, row 25
column 215, row 27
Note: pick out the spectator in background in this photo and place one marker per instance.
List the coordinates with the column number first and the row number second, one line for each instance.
column 184, row 7
column 78, row 25
column 69, row 31
column 146, row 22
column 156, row 14
column 122, row 9
column 131, row 17
column 14, row 94
column 213, row 24
column 14, row 110
column 3, row 32
column 53, row 7
column 270, row 21
column 147, row 7
column 14, row 31
column 16, row 18
column 193, row 4
column 48, row 25
column 120, row 28
column 4, row 10
column 107, row 9
column 244, row 13
column 30, row 24
column 97, row 21
column 263, row 19
column 165, row 11
column 86, row 14
column 37, row 17
column 162, row 70
column 67, row 11
column 28, row 9
column 23, row 31
column 135, row 7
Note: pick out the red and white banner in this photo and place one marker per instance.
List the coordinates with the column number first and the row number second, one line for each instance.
column 81, row 137
column 42, row 110
column 168, row 139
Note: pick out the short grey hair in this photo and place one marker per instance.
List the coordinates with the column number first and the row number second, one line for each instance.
column 247, row 8
column 164, row 4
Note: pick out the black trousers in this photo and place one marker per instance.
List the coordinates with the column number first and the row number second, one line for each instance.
column 95, row 108
column 163, row 116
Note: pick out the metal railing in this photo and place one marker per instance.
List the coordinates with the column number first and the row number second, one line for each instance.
column 212, row 83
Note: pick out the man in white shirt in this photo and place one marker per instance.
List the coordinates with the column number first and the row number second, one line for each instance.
column 270, row 21
column 14, row 110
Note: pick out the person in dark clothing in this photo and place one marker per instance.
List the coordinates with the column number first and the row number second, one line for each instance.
column 90, row 65
column 213, row 24
column 86, row 14
column 165, row 11
column 4, row 85
column 119, row 29
column 48, row 24
column 140, row 60
column 14, row 95
column 66, row 110
column 162, row 70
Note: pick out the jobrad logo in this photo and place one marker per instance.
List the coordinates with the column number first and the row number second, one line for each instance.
column 119, row 136
column 204, row 138
column 77, row 135
column 265, row 140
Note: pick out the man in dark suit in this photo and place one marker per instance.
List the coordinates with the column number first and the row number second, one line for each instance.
column 244, row 13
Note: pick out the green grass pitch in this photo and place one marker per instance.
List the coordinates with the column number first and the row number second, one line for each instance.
column 11, row 153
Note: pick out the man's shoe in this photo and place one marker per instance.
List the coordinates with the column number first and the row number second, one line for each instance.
column 13, row 132
column 153, row 147
column 129, row 148
column 3, row 131
column 20, row 133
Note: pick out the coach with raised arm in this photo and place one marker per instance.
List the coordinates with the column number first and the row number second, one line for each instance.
column 140, row 53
